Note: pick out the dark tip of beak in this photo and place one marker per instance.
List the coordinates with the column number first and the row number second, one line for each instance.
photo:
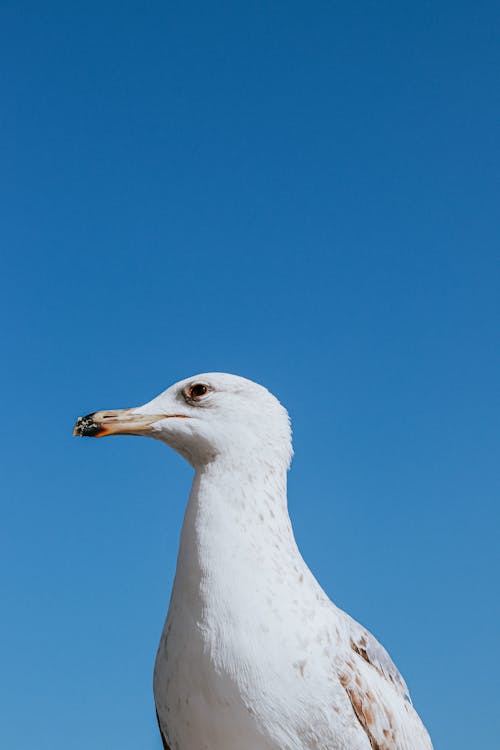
column 86, row 427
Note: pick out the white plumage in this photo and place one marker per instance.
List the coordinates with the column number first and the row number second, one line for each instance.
column 253, row 655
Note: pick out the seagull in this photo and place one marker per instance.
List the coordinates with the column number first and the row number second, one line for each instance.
column 253, row 654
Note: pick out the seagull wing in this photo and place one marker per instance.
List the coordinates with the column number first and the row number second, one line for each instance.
column 164, row 741
column 378, row 694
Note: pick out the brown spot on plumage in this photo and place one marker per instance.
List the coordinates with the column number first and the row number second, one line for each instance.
column 300, row 665
column 370, row 719
column 360, row 648
column 366, row 709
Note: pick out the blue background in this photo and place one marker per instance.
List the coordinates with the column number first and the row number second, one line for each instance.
column 302, row 193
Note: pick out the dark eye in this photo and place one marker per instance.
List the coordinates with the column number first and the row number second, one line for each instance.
column 198, row 390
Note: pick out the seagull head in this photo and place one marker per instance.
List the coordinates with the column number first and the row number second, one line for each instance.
column 204, row 418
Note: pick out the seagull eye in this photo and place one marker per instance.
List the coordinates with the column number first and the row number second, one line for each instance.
column 197, row 391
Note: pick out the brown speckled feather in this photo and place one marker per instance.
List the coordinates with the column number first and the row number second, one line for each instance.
column 379, row 697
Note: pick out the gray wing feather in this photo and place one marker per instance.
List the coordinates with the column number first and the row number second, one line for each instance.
column 367, row 646
column 164, row 741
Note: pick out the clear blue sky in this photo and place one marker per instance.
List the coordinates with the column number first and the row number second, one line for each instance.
column 302, row 193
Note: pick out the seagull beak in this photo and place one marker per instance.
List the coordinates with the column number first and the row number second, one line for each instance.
column 116, row 422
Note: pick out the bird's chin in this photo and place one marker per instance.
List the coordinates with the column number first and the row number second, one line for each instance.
column 188, row 440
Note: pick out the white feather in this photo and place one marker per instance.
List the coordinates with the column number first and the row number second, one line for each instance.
column 253, row 655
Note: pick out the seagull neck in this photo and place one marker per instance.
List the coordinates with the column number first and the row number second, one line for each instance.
column 248, row 487
column 234, row 513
